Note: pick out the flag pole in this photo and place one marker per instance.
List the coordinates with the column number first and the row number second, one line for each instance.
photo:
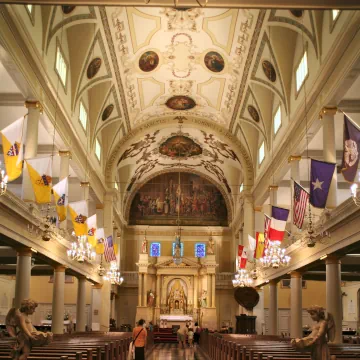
column 300, row 186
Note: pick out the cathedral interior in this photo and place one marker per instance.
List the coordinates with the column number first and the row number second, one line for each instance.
column 147, row 147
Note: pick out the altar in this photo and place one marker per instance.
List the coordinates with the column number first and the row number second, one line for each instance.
column 170, row 320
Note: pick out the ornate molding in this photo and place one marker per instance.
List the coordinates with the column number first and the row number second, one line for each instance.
column 294, row 158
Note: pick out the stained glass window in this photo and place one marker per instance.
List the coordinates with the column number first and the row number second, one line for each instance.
column 200, row 250
column 181, row 247
column 155, row 249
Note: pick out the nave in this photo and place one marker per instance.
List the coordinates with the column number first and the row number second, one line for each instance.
column 173, row 352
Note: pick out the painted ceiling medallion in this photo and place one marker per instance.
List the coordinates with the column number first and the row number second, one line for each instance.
column 179, row 147
column 214, row 61
column 148, row 61
column 107, row 112
column 253, row 113
column 269, row 70
column 180, row 102
column 67, row 9
column 297, row 12
column 93, row 67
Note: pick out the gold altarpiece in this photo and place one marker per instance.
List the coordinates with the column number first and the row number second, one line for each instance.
column 170, row 294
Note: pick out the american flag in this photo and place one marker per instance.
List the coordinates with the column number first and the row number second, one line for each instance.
column 267, row 221
column 301, row 197
column 109, row 249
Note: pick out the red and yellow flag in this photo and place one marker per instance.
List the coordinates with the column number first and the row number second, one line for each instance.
column 40, row 173
column 13, row 137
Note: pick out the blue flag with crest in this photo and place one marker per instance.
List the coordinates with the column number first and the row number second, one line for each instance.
column 320, row 180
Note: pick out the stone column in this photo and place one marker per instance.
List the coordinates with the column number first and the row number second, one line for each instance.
column 105, row 306
column 294, row 161
column 273, row 308
column 259, row 312
column 81, row 304
column 296, row 305
column 208, row 276
column 333, row 294
column 329, row 150
column 57, row 326
column 273, row 189
column 23, row 276
column 140, row 289
column 145, row 290
column 112, row 307
column 85, row 186
column 158, row 291
column 95, row 307
column 196, row 291
column 249, row 217
column 213, row 289
column 31, row 146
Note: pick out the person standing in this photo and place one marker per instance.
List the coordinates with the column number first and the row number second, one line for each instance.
column 197, row 331
column 139, row 336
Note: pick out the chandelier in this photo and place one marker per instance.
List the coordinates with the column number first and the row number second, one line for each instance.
column 242, row 279
column 81, row 250
column 113, row 275
column 3, row 181
column 274, row 256
column 177, row 249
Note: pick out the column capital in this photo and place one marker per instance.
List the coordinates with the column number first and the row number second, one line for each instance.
column 97, row 286
column 274, row 282
column 296, row 274
column 65, row 153
column 258, row 208
column 81, row 278
column 259, row 288
column 84, row 184
column 330, row 110
column 24, row 252
column 292, row 158
column 332, row 259
column 59, row 268
column 34, row 105
column 99, row 206
column 273, row 188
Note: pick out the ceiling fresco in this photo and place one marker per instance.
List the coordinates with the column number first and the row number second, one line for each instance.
column 176, row 61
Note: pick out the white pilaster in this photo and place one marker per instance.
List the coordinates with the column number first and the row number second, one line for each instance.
column 81, row 304
column 23, row 276
column 296, row 305
column 57, row 325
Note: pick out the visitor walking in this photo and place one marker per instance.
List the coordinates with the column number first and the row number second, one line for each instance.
column 139, row 342
column 197, row 331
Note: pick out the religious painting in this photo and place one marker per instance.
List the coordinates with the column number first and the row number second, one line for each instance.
column 148, row 61
column 180, row 102
column 67, row 9
column 107, row 112
column 180, row 147
column 177, row 297
column 253, row 113
column 93, row 67
column 269, row 70
column 165, row 198
column 214, row 61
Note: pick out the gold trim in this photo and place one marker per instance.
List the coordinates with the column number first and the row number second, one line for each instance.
column 273, row 187
column 294, row 158
column 328, row 111
column 65, row 153
column 34, row 105
column 84, row 184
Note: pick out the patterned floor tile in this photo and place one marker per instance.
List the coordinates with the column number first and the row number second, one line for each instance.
column 173, row 352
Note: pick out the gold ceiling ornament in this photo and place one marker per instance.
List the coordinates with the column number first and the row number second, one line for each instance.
column 176, row 3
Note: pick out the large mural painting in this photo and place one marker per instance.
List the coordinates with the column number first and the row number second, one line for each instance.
column 195, row 199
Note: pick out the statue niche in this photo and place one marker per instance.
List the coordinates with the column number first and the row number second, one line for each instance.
column 177, row 297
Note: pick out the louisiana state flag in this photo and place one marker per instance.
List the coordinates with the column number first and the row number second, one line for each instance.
column 13, row 137
column 100, row 238
column 40, row 173
column 91, row 230
column 79, row 213
column 60, row 191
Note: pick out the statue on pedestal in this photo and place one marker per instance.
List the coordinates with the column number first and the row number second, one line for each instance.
column 322, row 332
column 144, row 246
column 150, row 299
column 211, row 246
column 203, row 300
column 19, row 326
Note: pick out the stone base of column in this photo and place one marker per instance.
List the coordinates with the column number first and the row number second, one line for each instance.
column 208, row 318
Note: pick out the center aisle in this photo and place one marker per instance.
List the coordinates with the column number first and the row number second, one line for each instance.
column 173, row 352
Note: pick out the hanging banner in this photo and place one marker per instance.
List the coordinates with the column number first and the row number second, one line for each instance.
column 13, row 137
column 100, row 238
column 60, row 191
column 40, row 173
column 79, row 213
column 91, row 230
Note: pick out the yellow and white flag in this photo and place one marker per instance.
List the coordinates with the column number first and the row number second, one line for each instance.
column 13, row 137
column 60, row 191
column 100, row 238
column 79, row 214
column 40, row 173
column 91, row 230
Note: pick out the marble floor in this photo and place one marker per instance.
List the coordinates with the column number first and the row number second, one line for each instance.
column 173, row 352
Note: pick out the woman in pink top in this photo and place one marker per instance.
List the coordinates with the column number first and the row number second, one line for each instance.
column 139, row 337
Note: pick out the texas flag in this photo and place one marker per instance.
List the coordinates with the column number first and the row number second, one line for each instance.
column 242, row 255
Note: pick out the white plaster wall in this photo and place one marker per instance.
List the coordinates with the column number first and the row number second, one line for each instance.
column 7, row 295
